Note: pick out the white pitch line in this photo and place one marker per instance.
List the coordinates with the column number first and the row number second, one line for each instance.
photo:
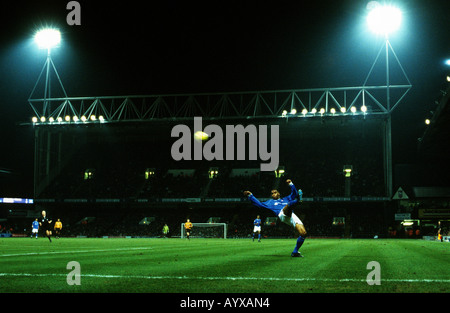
column 77, row 251
column 229, row 278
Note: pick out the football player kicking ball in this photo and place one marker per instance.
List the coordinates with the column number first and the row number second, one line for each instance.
column 282, row 207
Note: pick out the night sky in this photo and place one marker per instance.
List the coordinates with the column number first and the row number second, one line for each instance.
column 149, row 47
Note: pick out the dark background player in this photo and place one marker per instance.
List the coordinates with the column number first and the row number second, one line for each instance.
column 46, row 223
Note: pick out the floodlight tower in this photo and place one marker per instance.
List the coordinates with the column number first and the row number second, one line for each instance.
column 47, row 38
column 384, row 20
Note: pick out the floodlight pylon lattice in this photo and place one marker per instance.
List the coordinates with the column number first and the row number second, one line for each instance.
column 405, row 86
column 46, row 74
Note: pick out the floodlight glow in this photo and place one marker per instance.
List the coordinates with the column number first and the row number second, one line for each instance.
column 75, row 118
column 43, row 119
column 447, row 62
column 348, row 172
column 333, row 110
column 427, row 121
column 93, row 118
column 293, row 111
column 101, row 118
column 67, row 118
column 313, row 111
column 343, row 110
column 51, row 119
column 47, row 38
column 322, row 110
column 284, row 113
column 353, row 109
column 34, row 119
column 304, row 111
column 384, row 19
column 364, row 109
column 59, row 119
column 83, row 118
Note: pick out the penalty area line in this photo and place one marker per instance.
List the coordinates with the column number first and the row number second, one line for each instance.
column 229, row 278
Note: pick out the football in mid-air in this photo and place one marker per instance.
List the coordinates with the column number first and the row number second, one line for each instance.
column 201, row 136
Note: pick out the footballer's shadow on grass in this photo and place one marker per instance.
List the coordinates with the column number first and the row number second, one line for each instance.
column 282, row 256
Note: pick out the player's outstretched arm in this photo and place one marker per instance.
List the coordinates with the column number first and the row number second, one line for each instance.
column 294, row 191
column 255, row 201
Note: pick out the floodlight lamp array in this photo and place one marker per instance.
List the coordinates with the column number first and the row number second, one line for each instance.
column 68, row 120
column 342, row 111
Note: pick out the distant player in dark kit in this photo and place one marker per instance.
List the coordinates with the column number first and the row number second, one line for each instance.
column 46, row 224
column 283, row 207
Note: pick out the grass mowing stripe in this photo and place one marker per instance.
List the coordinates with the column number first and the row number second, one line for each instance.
column 70, row 252
column 229, row 278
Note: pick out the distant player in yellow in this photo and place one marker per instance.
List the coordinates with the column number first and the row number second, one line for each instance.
column 58, row 227
column 188, row 228
column 165, row 231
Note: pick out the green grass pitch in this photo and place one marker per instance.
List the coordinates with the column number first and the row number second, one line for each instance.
column 222, row 265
